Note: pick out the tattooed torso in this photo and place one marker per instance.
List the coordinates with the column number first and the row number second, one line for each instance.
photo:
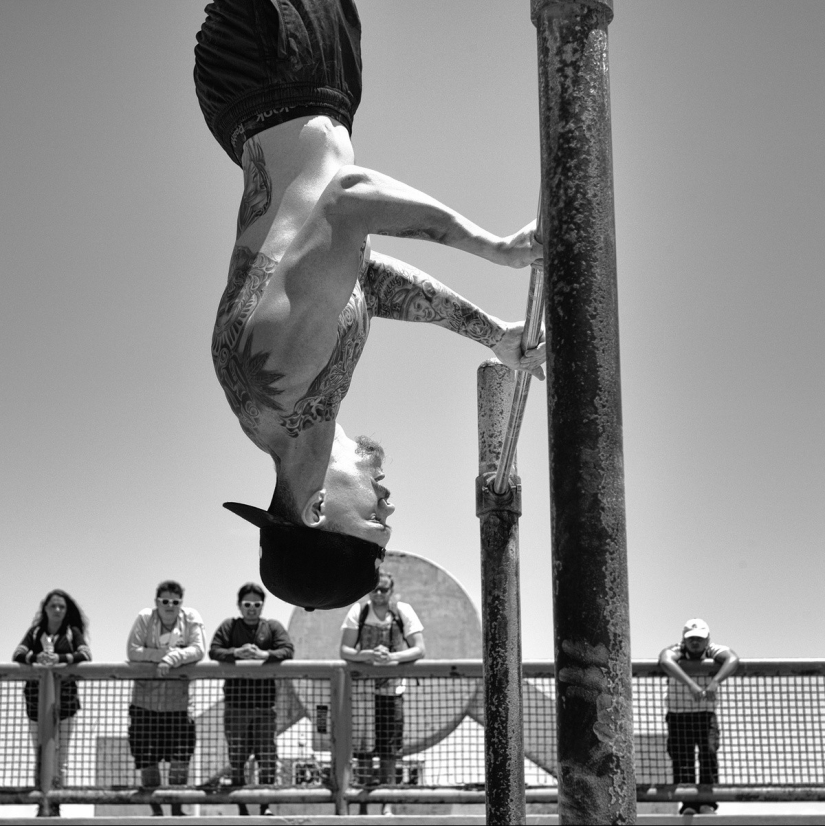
column 256, row 385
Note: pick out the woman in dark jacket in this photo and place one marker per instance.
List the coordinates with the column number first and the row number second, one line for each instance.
column 57, row 636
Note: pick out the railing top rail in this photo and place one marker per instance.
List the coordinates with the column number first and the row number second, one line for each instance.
column 469, row 668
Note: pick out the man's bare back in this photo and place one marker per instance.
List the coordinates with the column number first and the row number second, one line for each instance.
column 302, row 286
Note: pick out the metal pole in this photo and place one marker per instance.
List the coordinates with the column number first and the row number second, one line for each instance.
column 592, row 629
column 341, row 731
column 46, row 735
column 501, row 608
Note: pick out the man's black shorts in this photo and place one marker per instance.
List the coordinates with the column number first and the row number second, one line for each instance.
column 259, row 63
column 156, row 736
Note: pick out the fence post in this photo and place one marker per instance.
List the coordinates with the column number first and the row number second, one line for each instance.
column 47, row 730
column 498, row 515
column 589, row 544
column 341, row 736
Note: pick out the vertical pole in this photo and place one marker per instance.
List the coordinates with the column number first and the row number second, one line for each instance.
column 341, row 736
column 501, row 608
column 592, row 628
column 46, row 734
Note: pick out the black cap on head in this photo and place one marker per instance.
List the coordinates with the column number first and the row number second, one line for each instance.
column 309, row 567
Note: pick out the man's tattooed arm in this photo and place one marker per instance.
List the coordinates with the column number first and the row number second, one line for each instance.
column 399, row 291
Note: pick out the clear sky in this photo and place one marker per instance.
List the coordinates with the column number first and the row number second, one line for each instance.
column 118, row 216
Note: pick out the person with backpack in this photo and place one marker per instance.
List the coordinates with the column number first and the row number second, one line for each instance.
column 249, row 716
column 382, row 631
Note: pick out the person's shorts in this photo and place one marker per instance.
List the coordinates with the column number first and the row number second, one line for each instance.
column 259, row 63
column 156, row 736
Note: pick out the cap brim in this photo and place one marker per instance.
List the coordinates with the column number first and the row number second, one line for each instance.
column 256, row 516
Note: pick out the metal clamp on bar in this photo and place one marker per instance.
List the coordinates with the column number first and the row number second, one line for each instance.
column 490, row 501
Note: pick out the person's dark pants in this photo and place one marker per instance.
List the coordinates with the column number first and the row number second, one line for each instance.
column 687, row 733
column 389, row 740
column 250, row 732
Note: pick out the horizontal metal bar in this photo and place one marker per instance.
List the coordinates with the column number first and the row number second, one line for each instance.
column 322, row 669
column 644, row 793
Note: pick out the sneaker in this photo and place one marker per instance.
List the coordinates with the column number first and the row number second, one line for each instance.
column 265, row 810
column 687, row 810
column 707, row 809
column 386, row 809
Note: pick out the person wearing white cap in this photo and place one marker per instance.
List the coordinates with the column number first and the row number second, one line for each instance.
column 691, row 708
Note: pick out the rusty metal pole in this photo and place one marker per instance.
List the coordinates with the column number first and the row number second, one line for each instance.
column 47, row 734
column 500, row 600
column 592, row 628
column 341, row 725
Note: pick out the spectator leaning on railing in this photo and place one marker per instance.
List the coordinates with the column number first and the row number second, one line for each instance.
column 161, row 727
column 249, row 716
column 691, row 702
column 57, row 637
column 383, row 632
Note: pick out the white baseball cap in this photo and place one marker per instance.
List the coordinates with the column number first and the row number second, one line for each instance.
column 695, row 628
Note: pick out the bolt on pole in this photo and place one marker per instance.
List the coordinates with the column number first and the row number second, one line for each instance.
column 498, row 515
column 589, row 545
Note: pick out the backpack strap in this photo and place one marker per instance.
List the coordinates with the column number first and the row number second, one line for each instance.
column 362, row 618
column 399, row 622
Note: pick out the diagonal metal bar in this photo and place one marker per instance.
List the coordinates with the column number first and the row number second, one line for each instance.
column 529, row 339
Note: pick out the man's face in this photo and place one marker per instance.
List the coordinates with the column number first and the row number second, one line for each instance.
column 356, row 502
column 251, row 605
column 382, row 592
column 696, row 645
column 168, row 604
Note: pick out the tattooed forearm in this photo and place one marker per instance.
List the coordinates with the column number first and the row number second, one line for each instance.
column 398, row 291
column 257, row 186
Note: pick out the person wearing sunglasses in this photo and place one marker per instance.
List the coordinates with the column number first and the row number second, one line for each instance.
column 383, row 631
column 250, row 722
column 161, row 725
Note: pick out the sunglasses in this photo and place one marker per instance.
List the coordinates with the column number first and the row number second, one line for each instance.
column 247, row 604
column 164, row 601
column 381, row 590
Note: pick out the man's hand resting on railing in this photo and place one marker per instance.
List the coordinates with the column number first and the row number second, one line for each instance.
column 250, row 651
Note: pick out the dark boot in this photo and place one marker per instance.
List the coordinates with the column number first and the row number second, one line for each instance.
column 157, row 809
column 242, row 810
column 177, row 810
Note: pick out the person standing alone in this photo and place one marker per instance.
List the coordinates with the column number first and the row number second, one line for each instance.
column 691, row 718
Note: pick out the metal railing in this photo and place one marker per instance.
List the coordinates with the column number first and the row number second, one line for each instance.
column 770, row 714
